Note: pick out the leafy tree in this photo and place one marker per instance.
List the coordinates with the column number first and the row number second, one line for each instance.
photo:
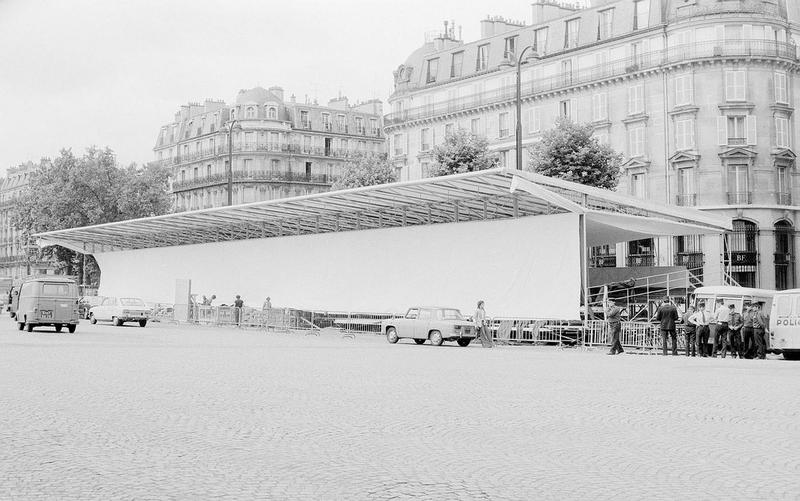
column 365, row 170
column 569, row 152
column 461, row 152
column 71, row 191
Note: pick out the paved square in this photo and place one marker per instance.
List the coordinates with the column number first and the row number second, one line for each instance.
column 170, row 412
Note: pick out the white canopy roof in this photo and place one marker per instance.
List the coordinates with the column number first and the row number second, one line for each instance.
column 486, row 195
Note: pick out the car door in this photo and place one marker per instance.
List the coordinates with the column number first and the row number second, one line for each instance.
column 422, row 323
column 405, row 325
column 103, row 312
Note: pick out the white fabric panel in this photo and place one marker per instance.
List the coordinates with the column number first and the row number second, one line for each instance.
column 521, row 267
column 605, row 229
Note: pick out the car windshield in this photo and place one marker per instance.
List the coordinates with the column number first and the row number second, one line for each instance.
column 131, row 301
column 450, row 314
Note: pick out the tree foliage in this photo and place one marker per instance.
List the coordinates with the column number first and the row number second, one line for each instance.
column 70, row 191
column 365, row 170
column 569, row 152
column 462, row 151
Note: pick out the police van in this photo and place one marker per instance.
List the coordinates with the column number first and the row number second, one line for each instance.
column 784, row 324
column 739, row 297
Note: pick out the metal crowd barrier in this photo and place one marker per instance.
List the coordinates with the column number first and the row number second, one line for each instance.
column 634, row 336
column 535, row 331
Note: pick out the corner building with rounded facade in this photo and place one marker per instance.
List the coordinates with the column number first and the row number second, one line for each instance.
column 698, row 95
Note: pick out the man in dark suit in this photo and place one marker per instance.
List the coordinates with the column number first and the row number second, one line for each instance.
column 667, row 315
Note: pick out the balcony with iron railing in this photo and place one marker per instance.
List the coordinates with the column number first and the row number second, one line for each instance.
column 784, row 198
column 740, row 197
column 634, row 260
column 252, row 176
column 741, row 258
column 783, row 258
column 731, row 49
column 739, row 8
column 691, row 259
column 603, row 261
column 686, row 199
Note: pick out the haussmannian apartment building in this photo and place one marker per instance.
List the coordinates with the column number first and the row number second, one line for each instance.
column 280, row 148
column 699, row 96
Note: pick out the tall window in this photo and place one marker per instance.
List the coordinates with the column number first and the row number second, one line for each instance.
column 373, row 126
column 782, row 185
column 502, row 125
column 784, row 255
column 341, row 123
column 272, row 112
column 425, row 139
column 571, row 33
column 275, row 165
column 482, row 62
column 510, row 47
column 738, row 184
column 781, row 132
column 456, row 64
column 641, row 14
column 448, row 129
column 605, row 21
column 399, row 147
column 636, row 99
column 534, row 120
column 684, row 134
column 683, row 90
column 637, row 188
column 540, row 41
column 781, row 88
column 250, row 112
column 735, row 85
column 600, row 106
column 475, row 126
column 641, row 252
column 687, row 196
column 741, row 247
column 304, row 122
column 636, row 141
column 360, row 125
column 566, row 71
column 433, row 70
column 326, row 121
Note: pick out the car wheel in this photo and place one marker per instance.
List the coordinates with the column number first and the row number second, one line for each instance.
column 116, row 321
column 59, row 327
column 28, row 327
column 142, row 323
column 20, row 325
column 420, row 341
column 92, row 320
column 464, row 342
column 71, row 328
column 436, row 338
column 391, row 335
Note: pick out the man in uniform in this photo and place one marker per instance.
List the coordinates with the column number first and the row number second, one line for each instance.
column 760, row 331
column 748, row 342
column 689, row 331
column 721, row 315
column 667, row 315
column 613, row 313
column 700, row 320
column 734, row 339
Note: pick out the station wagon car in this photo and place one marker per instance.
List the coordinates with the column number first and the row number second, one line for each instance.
column 120, row 310
column 436, row 324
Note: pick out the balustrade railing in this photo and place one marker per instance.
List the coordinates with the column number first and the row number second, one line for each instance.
column 686, row 199
column 650, row 60
column 254, row 176
column 739, row 197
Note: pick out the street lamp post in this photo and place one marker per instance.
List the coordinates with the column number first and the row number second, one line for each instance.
column 229, row 171
column 509, row 62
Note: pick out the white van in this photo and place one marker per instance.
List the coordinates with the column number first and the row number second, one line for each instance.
column 737, row 296
column 784, row 324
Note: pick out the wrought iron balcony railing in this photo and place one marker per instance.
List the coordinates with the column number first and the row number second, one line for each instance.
column 603, row 261
column 641, row 260
column 691, row 260
column 742, row 258
column 784, row 198
column 650, row 60
column 254, row 176
column 783, row 258
column 686, row 199
column 740, row 197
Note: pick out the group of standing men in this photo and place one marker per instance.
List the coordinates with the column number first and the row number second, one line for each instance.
column 744, row 334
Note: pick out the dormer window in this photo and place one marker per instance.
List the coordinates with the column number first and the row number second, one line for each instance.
column 511, row 47
column 482, row 61
column 571, row 32
column 250, row 112
column 641, row 14
column 433, row 70
column 272, row 113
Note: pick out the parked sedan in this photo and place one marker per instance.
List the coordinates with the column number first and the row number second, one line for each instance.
column 430, row 323
column 120, row 310
column 86, row 303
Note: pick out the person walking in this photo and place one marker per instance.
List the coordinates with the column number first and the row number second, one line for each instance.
column 238, row 304
column 614, row 321
column 721, row 315
column 481, row 328
column 760, row 331
column 748, row 339
column 700, row 320
column 667, row 315
column 733, row 339
column 690, row 332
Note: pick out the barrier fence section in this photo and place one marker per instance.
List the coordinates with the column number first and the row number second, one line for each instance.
column 641, row 336
column 535, row 331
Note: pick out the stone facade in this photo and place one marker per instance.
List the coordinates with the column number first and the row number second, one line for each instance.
column 699, row 96
column 281, row 148
column 17, row 257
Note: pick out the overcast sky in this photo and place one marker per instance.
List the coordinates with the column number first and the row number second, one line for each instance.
column 75, row 73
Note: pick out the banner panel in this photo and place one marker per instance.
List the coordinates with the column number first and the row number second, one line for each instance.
column 521, row 267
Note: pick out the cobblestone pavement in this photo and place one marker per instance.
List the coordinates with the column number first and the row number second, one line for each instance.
column 169, row 412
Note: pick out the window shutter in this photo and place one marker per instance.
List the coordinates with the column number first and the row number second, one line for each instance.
column 752, row 134
column 729, row 85
column 742, row 78
column 631, row 99
column 722, row 130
